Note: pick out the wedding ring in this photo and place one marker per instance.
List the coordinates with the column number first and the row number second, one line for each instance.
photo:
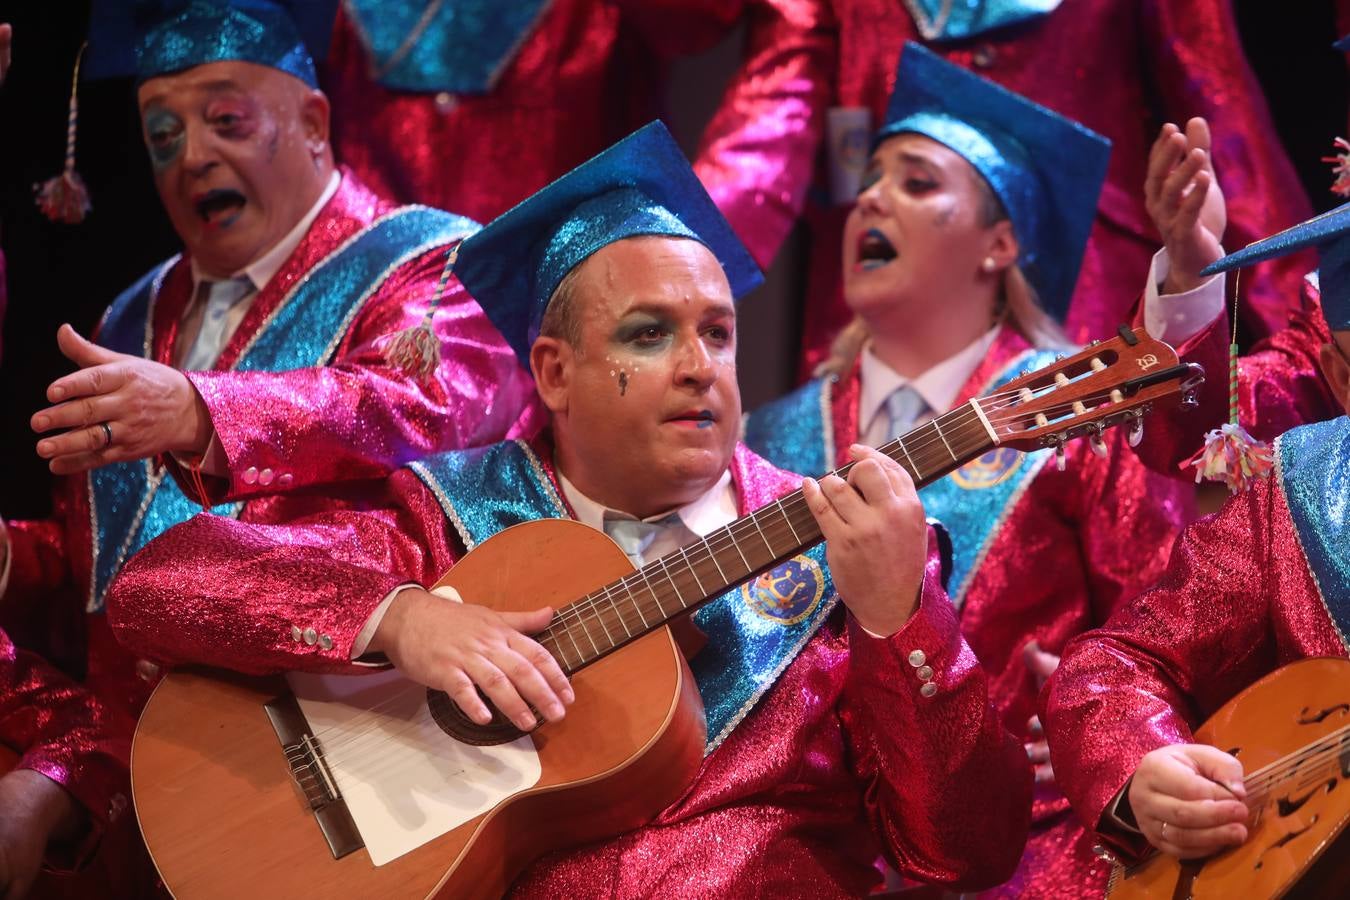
column 107, row 434
column 1162, row 832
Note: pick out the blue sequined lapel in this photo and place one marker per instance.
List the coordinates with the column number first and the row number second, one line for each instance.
column 131, row 503
column 796, row 431
column 460, row 46
column 1314, row 474
column 754, row 632
column 974, row 501
column 955, row 20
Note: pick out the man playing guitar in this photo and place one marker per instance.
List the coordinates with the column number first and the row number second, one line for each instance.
column 835, row 729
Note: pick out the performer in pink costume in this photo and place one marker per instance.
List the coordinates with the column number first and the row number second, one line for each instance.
column 1112, row 65
column 1264, row 582
column 289, row 385
column 1040, row 553
column 425, row 109
column 824, row 717
column 64, row 800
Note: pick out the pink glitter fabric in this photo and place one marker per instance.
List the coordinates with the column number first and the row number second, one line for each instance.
column 586, row 75
column 1280, row 385
column 1237, row 602
column 332, row 426
column 1116, row 66
column 841, row 760
column 1075, row 546
column 61, row 731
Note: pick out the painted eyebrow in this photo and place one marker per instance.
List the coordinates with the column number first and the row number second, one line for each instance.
column 661, row 310
column 917, row 159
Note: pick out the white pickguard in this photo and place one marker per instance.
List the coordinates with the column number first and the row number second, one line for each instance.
column 405, row 780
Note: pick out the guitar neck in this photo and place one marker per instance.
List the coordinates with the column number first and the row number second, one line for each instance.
column 681, row 582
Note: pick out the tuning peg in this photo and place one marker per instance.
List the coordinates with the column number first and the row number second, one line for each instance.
column 1188, row 400
column 1098, row 445
column 1061, row 462
column 1135, row 433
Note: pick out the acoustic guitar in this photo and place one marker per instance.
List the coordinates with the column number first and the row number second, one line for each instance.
column 238, row 795
column 1291, row 731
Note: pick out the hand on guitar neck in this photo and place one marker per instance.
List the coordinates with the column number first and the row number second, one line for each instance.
column 1188, row 800
column 875, row 538
column 454, row 646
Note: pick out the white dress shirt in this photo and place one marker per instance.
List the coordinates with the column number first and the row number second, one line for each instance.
column 939, row 386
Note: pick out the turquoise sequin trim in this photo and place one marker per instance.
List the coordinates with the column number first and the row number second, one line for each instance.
column 460, row 46
column 1314, row 473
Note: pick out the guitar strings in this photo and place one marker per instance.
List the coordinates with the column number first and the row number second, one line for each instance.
column 578, row 613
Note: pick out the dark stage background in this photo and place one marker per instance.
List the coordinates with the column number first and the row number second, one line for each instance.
column 63, row 273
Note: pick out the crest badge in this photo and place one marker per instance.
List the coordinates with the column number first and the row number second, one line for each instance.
column 788, row 593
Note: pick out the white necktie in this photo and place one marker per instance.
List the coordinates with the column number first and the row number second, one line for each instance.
column 903, row 407
column 633, row 535
column 221, row 297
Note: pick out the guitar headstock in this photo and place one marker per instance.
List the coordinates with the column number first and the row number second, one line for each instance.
column 1108, row 383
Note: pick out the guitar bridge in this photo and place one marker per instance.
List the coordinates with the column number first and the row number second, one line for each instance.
column 309, row 770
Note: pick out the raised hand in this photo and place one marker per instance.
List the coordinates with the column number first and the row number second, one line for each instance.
column 1188, row 800
column 876, row 538
column 117, row 407
column 1186, row 203
column 456, row 646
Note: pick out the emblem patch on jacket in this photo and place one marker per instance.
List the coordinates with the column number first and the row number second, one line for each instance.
column 993, row 468
column 787, row 594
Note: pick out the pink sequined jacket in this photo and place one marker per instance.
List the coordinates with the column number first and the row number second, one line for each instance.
column 841, row 742
column 1066, row 552
column 1237, row 601
column 286, row 432
column 559, row 100
column 1122, row 68
column 58, row 729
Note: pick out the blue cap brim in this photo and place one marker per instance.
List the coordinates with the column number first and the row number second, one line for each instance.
column 1343, row 44
column 1330, row 234
column 1046, row 169
column 117, row 27
column 643, row 185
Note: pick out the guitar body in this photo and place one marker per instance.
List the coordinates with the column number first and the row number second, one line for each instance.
column 1288, row 849
column 222, row 816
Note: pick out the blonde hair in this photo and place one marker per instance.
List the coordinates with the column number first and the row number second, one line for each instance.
column 1018, row 306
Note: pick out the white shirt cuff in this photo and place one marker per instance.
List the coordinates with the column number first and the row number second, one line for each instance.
column 367, row 632
column 1176, row 318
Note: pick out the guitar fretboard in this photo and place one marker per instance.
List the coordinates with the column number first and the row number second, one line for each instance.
column 681, row 581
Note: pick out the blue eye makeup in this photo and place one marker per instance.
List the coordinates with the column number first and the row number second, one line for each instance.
column 164, row 136
column 643, row 333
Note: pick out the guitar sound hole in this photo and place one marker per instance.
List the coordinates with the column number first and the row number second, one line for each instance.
column 451, row 719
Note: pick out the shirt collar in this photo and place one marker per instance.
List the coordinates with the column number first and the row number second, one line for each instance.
column 712, row 510
column 264, row 268
column 939, row 386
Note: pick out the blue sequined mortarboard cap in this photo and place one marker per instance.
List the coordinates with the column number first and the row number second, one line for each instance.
column 148, row 38
column 1046, row 169
column 642, row 185
column 1330, row 233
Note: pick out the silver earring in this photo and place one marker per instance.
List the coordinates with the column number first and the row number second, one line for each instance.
column 988, row 264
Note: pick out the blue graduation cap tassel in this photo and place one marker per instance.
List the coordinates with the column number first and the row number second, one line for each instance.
column 65, row 198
